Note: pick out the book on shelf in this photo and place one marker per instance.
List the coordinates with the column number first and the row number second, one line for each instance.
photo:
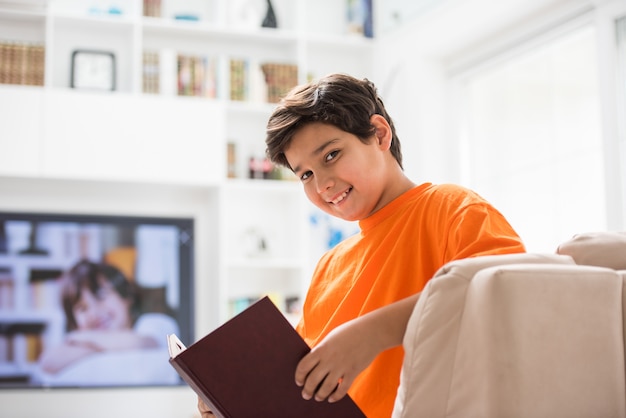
column 150, row 72
column 280, row 78
column 152, row 8
column 22, row 63
column 246, row 368
column 196, row 76
column 238, row 79
column 7, row 290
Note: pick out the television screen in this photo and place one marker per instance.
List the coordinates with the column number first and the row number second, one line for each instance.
column 87, row 300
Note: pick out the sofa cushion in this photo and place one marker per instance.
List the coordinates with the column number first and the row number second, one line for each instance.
column 517, row 336
column 602, row 249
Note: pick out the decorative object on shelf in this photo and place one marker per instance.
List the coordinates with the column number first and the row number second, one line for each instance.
column 253, row 243
column 187, row 16
column 94, row 70
column 269, row 21
column 260, row 168
column 245, row 14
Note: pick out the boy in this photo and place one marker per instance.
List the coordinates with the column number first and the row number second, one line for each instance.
column 338, row 139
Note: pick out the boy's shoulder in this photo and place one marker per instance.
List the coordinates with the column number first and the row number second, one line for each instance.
column 444, row 191
column 444, row 198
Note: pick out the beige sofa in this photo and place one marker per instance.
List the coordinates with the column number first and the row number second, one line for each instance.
column 523, row 335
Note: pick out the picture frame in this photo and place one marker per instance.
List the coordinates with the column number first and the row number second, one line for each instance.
column 93, row 70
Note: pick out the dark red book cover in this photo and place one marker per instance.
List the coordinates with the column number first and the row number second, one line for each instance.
column 246, row 367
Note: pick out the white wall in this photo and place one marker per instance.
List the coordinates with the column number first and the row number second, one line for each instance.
column 414, row 65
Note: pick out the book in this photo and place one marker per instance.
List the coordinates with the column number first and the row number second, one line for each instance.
column 246, row 368
column 196, row 76
column 150, row 72
column 280, row 78
column 238, row 79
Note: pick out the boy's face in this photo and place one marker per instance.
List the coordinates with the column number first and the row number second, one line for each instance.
column 106, row 310
column 341, row 175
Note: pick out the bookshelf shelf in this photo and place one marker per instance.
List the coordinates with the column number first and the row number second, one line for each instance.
column 83, row 22
column 161, row 26
column 177, row 111
column 265, row 263
column 23, row 15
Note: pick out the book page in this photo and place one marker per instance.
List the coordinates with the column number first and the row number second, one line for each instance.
column 175, row 345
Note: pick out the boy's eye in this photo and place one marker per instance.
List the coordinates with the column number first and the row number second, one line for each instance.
column 305, row 176
column 331, row 155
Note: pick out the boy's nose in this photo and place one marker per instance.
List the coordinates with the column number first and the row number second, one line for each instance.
column 323, row 183
column 94, row 316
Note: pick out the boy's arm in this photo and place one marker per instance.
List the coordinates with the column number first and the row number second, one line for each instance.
column 57, row 358
column 337, row 360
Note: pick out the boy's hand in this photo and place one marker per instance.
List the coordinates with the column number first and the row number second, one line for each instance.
column 327, row 372
column 204, row 410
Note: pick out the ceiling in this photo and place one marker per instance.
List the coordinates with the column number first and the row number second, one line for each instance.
column 446, row 27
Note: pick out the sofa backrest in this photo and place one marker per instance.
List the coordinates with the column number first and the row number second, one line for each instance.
column 520, row 335
column 602, row 249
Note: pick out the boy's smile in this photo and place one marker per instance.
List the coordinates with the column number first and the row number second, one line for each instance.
column 340, row 198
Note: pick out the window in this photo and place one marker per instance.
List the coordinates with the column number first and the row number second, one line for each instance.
column 531, row 138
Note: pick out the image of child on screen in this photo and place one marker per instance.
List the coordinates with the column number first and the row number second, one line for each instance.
column 101, row 307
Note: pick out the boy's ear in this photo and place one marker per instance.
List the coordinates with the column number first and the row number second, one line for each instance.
column 383, row 131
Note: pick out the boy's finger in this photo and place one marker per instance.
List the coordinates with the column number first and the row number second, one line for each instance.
column 340, row 391
column 314, row 381
column 303, row 369
column 326, row 388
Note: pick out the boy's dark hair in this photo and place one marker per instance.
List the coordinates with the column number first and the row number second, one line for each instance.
column 88, row 275
column 337, row 99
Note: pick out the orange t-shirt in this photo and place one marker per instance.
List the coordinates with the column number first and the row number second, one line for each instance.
column 398, row 250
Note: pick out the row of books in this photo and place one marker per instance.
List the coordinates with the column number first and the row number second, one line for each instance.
column 42, row 294
column 280, row 78
column 265, row 82
column 20, row 348
column 22, row 63
column 197, row 76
